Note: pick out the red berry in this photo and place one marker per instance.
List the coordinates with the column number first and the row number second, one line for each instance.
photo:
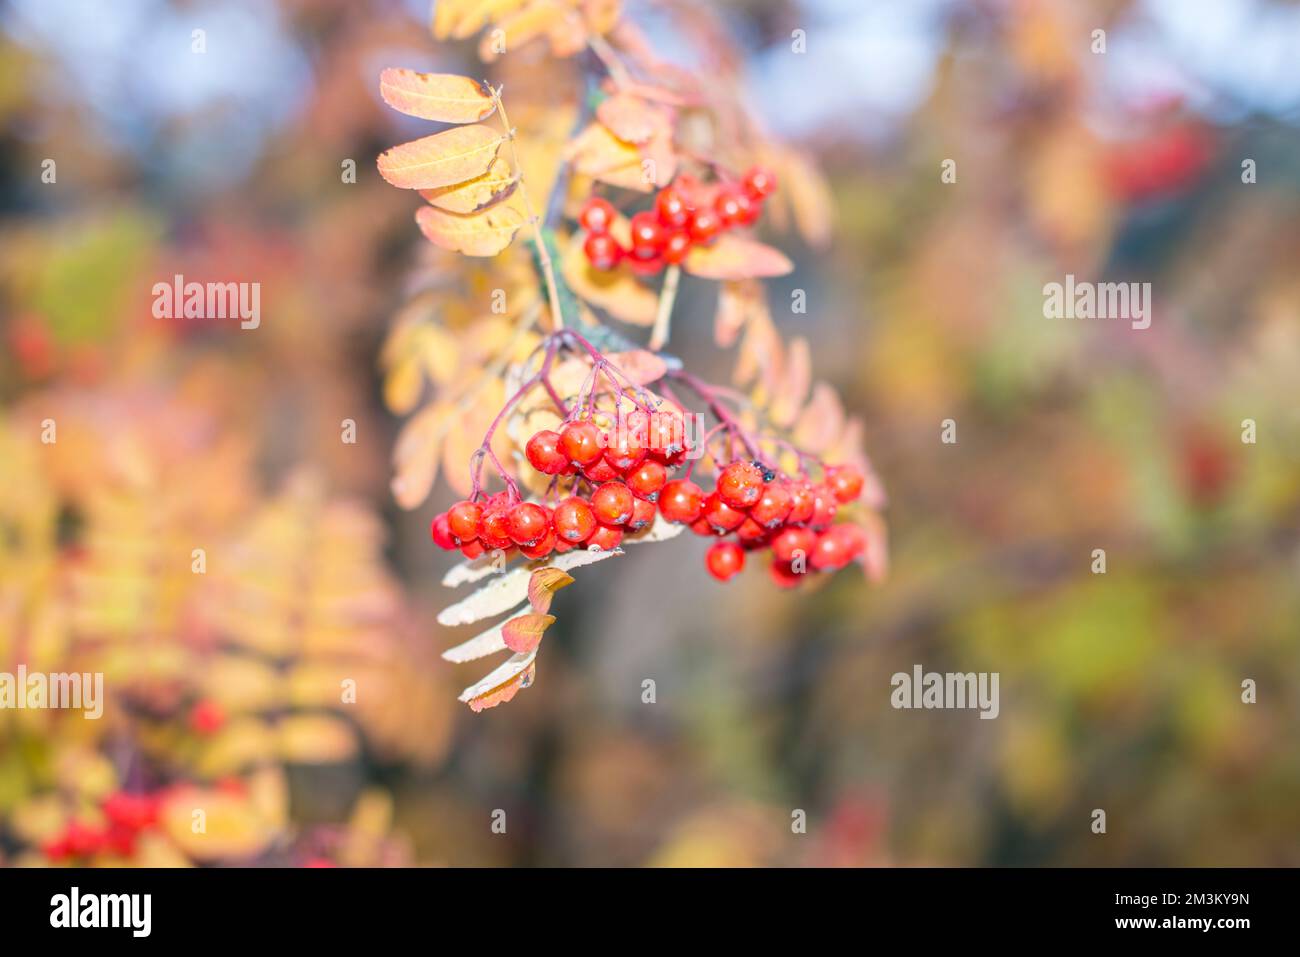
column 131, row 811
column 581, row 443
column 676, row 247
column 601, row 472
column 626, row 448
column 602, row 250
column 647, row 479
column 824, row 507
column 829, row 552
column 542, row 547
column 82, row 840
column 494, row 531
column 790, row 543
column 724, row 559
column 783, row 575
column 643, row 513
column 801, row 503
column 751, row 533
column 702, row 527
column 606, row 538
column 528, row 523
column 741, row 484
column 647, row 236
column 472, row 550
column 612, row 503
column 851, row 538
column 543, row 451
column 720, row 515
column 704, row 225
column 773, row 506
column 597, row 215
column 440, row 532
column 845, row 482
column 671, row 208
column 759, row 183
column 667, row 435
column 574, row 520
column 646, row 267
column 732, row 205
column 464, row 519
column 681, row 501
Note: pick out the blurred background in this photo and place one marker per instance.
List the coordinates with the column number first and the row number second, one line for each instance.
column 1120, row 691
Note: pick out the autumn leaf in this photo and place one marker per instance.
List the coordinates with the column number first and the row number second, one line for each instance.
column 731, row 257
column 524, row 634
column 630, row 118
column 444, row 97
column 503, row 683
column 616, row 291
column 475, row 194
column 484, row 233
column 452, row 156
column 543, row 584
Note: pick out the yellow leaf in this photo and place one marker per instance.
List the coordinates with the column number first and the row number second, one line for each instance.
column 478, row 234
column 403, row 384
column 731, row 257
column 452, row 156
column 821, row 422
column 416, row 456
column 475, row 194
column 444, row 97
column 316, row 739
column 524, row 634
column 501, row 693
column 792, row 391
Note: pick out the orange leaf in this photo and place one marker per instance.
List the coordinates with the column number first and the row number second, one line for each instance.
column 630, row 118
column 484, row 233
column 452, row 156
column 524, row 633
column 475, row 194
column 503, row 692
column 543, row 584
column 731, row 257
column 436, row 96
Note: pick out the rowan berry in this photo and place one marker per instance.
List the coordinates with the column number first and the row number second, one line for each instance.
column 732, row 205
column 791, row 542
column 750, row 533
column 542, row 547
column 440, row 532
column 773, row 506
column 647, row 236
column 606, row 538
column 464, row 519
column 581, row 443
column 724, row 560
column 648, row 266
column 801, row 503
column 681, row 501
column 472, row 549
column 543, row 452
column 626, row 449
column 701, row 526
column 671, row 208
column 720, row 515
column 528, row 523
column 612, row 503
column 829, row 552
column 647, row 479
column 759, row 183
column 667, row 435
column 845, row 482
column 783, row 575
column 824, row 507
column 704, row 226
column 494, row 530
column 740, row 484
column 603, row 251
column 643, row 514
column 597, row 215
column 207, row 717
column 574, row 520
column 676, row 247
column 601, row 472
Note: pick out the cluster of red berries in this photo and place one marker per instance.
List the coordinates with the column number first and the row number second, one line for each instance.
column 678, row 220
column 794, row 517
column 626, row 469
column 126, row 816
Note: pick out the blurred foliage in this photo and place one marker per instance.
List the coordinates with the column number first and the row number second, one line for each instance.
column 1119, row 691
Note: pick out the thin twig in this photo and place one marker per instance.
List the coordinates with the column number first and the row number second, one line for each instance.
column 663, row 317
